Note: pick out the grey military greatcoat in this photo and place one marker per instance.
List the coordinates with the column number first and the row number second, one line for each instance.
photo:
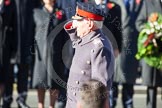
column 93, row 59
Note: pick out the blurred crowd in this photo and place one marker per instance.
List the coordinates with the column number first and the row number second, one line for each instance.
column 32, row 41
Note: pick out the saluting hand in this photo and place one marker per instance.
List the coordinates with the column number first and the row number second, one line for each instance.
column 74, row 24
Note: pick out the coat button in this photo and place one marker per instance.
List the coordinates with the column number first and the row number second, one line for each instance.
column 88, row 62
column 74, row 44
column 83, row 72
column 77, row 82
column 74, row 93
column 92, row 50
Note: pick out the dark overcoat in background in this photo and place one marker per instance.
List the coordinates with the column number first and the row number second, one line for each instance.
column 113, row 22
column 8, row 35
column 127, row 64
column 25, row 38
column 151, row 76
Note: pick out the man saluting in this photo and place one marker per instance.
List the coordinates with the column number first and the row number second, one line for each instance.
column 93, row 58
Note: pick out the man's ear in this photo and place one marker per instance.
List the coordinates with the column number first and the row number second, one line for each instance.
column 90, row 23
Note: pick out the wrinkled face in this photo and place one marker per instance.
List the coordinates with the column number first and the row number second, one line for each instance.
column 81, row 26
column 48, row 1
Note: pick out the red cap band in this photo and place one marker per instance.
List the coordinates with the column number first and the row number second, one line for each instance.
column 89, row 15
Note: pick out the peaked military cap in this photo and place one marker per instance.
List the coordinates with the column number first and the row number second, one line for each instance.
column 88, row 10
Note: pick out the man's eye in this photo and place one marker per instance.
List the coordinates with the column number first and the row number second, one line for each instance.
column 80, row 20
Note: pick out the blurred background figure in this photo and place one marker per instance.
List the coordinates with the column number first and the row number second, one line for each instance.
column 22, row 56
column 7, row 43
column 35, row 4
column 126, row 63
column 48, row 50
column 93, row 94
column 151, row 77
column 113, row 23
column 7, row 39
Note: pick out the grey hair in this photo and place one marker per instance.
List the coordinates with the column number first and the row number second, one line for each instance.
column 99, row 24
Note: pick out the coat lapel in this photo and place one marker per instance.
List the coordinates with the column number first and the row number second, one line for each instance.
column 124, row 16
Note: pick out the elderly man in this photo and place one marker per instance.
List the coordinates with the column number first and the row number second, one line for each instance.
column 93, row 58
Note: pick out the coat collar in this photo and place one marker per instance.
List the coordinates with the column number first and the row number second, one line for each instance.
column 50, row 13
column 90, row 37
